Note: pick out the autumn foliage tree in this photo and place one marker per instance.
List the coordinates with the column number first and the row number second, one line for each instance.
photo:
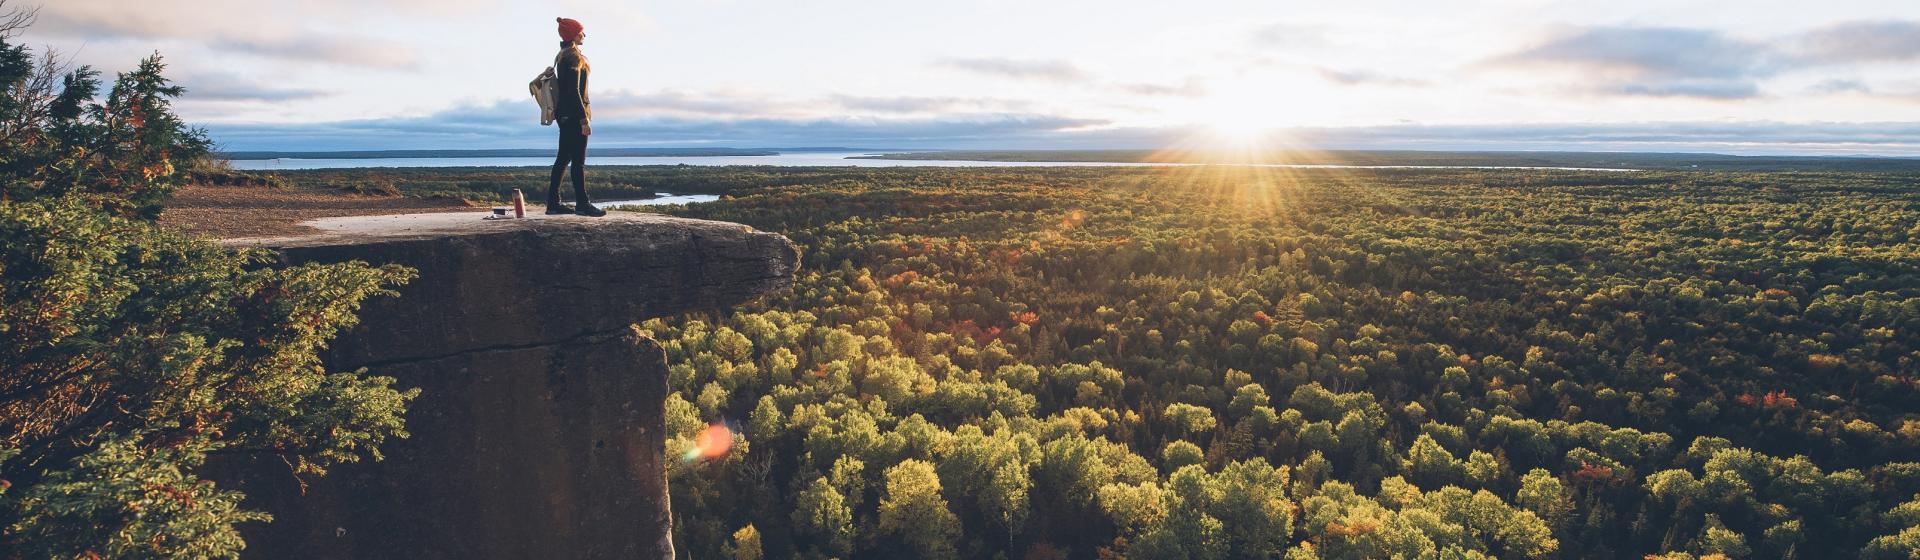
column 131, row 354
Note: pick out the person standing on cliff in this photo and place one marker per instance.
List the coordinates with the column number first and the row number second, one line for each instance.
column 573, row 111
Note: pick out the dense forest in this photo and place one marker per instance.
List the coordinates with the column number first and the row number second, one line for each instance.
column 1603, row 160
column 1234, row 362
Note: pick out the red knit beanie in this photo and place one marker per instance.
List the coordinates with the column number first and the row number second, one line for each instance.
column 569, row 29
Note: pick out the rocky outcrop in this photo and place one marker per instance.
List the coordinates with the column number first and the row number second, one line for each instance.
column 538, row 433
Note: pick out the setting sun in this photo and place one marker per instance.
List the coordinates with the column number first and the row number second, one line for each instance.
column 1244, row 111
column 1241, row 115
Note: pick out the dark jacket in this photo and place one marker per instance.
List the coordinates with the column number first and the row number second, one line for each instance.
column 570, row 99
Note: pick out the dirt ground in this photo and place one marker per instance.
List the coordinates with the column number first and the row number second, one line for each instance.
column 232, row 212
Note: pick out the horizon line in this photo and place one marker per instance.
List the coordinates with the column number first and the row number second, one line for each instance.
column 762, row 151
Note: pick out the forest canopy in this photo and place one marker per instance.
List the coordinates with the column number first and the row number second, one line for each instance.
column 1233, row 362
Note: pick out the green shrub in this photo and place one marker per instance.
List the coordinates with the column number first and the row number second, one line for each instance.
column 130, row 354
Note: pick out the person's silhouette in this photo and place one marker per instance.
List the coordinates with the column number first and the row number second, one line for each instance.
column 573, row 110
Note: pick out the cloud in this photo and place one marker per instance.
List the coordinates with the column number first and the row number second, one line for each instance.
column 222, row 28
column 1861, row 41
column 1748, row 137
column 1025, row 69
column 511, row 124
column 1840, row 86
column 913, row 104
column 1656, row 52
column 358, row 51
column 1652, row 61
column 1193, row 86
column 743, row 105
column 1903, row 93
column 687, row 103
column 1707, row 89
column 1060, row 71
column 1706, row 63
column 1290, row 35
column 1365, row 78
column 229, row 88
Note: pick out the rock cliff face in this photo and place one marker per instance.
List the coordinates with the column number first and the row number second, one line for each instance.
column 538, row 432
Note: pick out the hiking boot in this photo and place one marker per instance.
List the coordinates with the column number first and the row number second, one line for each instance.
column 558, row 209
column 588, row 209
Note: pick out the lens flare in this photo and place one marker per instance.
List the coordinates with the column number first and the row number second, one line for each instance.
column 713, row 443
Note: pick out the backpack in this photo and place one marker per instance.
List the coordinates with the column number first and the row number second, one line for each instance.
column 542, row 89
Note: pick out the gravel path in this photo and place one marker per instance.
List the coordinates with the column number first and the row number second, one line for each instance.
column 229, row 212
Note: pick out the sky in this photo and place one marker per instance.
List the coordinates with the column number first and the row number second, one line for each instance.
column 1747, row 76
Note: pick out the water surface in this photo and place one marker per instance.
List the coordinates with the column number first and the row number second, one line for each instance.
column 664, row 198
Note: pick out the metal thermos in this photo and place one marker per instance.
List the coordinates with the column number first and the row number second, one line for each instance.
column 519, row 204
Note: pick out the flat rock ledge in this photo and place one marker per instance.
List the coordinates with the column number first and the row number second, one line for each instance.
column 539, row 430
column 491, row 284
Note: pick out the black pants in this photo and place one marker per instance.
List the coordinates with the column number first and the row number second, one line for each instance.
column 573, row 150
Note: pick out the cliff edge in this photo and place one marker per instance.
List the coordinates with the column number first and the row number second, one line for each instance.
column 538, row 432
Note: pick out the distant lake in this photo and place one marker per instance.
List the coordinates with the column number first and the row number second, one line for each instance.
column 792, row 159
column 664, row 198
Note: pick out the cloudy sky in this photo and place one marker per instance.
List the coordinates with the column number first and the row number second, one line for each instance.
column 1737, row 76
